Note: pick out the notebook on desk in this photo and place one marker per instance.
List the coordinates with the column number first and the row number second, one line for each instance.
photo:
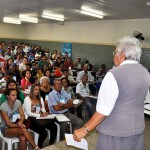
column 62, row 118
column 50, row 116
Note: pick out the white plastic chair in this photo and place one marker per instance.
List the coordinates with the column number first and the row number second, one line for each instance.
column 9, row 141
column 36, row 135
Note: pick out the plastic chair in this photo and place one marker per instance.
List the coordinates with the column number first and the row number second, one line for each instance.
column 9, row 141
column 36, row 135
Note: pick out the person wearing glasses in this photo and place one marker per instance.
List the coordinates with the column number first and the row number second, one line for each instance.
column 119, row 115
column 59, row 102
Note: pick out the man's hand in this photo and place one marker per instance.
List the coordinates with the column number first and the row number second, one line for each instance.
column 79, row 134
column 70, row 103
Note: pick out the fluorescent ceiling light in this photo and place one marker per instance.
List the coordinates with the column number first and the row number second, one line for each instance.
column 91, row 12
column 58, row 17
column 11, row 20
column 148, row 3
column 28, row 19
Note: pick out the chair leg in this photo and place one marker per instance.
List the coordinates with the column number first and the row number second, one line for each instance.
column 3, row 145
column 49, row 134
column 36, row 138
column 70, row 126
column 9, row 145
column 58, row 132
column 16, row 145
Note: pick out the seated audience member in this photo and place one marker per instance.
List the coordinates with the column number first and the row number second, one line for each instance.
column 58, row 62
column 9, row 63
column 45, row 89
column 12, row 84
column 102, row 71
column 49, row 61
column 27, row 80
column 58, row 72
column 69, row 77
column 2, row 72
column 82, row 92
column 66, row 87
column 54, row 55
column 59, row 102
column 34, row 107
column 8, row 75
column 40, row 72
column 9, row 128
column 69, row 64
column 49, row 75
column 8, row 54
column 31, row 56
column 78, row 63
column 15, row 72
column 43, row 62
column 85, row 72
column 90, row 66
column 44, row 67
column 2, row 59
column 60, row 56
column 22, row 66
column 18, row 60
column 65, row 56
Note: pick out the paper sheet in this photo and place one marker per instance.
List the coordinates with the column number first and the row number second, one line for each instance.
column 147, row 107
column 70, row 141
column 62, row 118
column 51, row 116
column 92, row 96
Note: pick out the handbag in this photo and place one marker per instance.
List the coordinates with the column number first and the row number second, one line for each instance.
column 26, row 122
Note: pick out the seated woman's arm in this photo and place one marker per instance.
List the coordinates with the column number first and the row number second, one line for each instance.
column 27, row 108
column 7, row 120
column 43, row 106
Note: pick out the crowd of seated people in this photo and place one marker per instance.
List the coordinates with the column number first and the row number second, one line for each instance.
column 50, row 79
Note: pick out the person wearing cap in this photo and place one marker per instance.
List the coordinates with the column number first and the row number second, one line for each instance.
column 78, row 63
column 43, row 61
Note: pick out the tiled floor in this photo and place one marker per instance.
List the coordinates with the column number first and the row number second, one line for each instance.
column 93, row 137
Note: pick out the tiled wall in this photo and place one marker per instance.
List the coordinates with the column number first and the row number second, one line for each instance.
column 97, row 54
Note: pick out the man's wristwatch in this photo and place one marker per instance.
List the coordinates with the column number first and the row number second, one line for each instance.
column 86, row 129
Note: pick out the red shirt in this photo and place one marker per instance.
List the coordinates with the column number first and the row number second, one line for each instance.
column 58, row 72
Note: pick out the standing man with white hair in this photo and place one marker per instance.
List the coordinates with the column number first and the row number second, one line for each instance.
column 120, row 108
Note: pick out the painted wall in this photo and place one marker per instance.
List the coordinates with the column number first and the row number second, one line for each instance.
column 104, row 31
column 12, row 31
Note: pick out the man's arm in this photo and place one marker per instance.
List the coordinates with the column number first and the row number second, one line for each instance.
column 61, row 106
column 96, row 119
column 81, row 97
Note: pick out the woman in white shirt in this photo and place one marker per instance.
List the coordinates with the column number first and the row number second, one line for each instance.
column 34, row 107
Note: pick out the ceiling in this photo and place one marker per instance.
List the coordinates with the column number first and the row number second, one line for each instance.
column 112, row 9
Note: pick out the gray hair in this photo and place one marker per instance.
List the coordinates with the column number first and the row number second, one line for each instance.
column 130, row 46
column 44, row 77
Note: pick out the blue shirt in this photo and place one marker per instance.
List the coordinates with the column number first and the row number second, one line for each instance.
column 55, row 97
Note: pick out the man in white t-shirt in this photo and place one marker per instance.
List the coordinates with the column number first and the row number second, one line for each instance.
column 83, row 92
